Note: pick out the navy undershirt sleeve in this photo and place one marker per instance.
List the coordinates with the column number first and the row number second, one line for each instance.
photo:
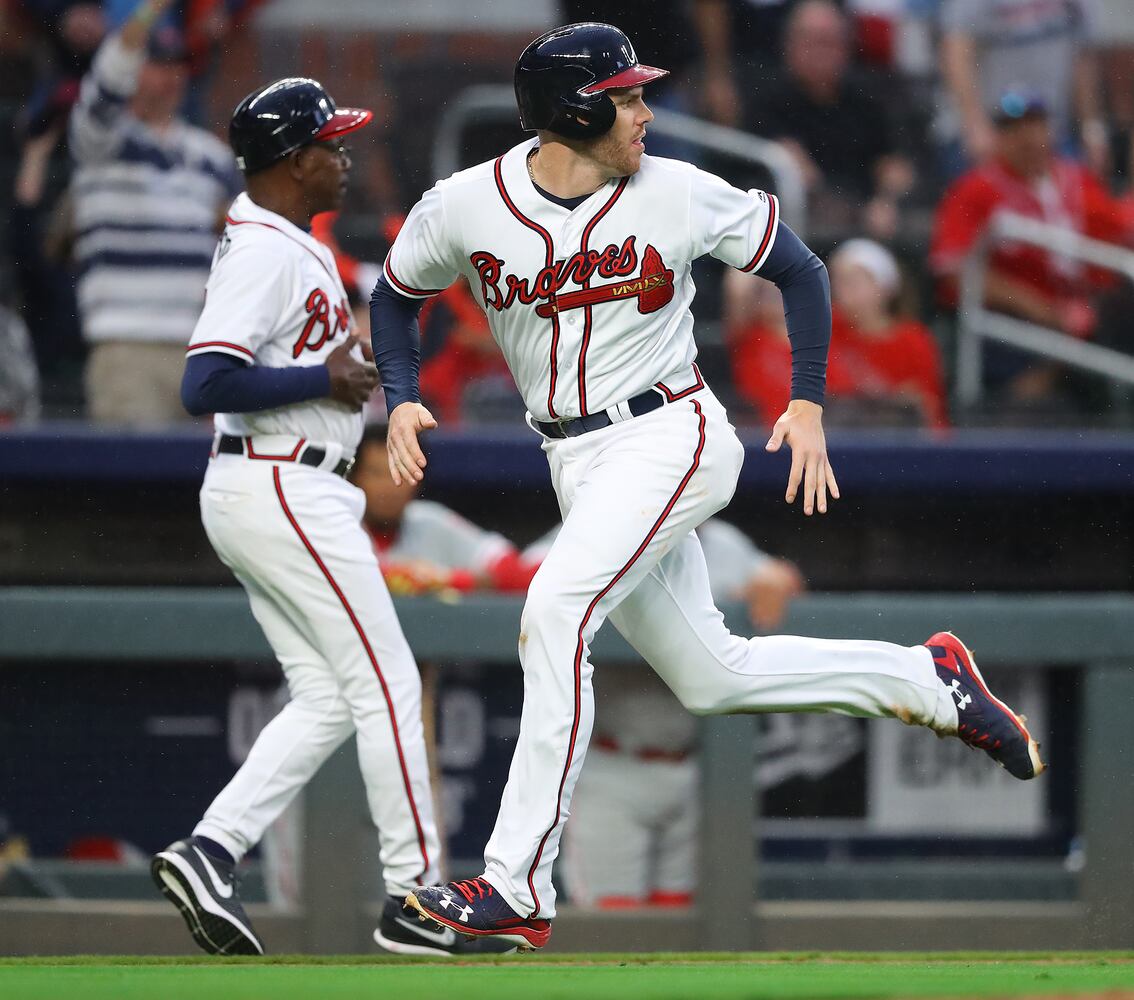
column 806, row 290
column 397, row 343
column 220, row 383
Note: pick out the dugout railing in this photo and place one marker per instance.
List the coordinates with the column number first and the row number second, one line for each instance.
column 977, row 323
column 1093, row 633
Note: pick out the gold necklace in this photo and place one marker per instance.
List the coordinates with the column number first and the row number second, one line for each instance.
column 531, row 173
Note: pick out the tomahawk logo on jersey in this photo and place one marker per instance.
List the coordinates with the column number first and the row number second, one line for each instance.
column 606, row 313
column 274, row 298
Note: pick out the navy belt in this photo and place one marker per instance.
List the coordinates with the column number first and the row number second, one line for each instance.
column 229, row 444
column 639, row 406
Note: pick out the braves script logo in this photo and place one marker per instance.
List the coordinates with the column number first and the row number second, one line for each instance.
column 652, row 286
column 319, row 316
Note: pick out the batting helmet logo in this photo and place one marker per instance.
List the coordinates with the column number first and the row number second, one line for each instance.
column 563, row 76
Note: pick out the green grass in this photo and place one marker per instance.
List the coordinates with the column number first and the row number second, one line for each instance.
column 696, row 976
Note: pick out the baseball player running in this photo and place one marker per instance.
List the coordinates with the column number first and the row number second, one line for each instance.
column 274, row 356
column 578, row 246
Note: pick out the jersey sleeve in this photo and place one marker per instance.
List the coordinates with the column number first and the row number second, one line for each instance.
column 737, row 227
column 423, row 261
column 246, row 294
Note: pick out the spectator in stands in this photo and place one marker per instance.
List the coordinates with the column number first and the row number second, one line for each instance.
column 883, row 369
column 989, row 46
column 1026, row 177
column 632, row 839
column 424, row 547
column 740, row 42
column 150, row 192
column 72, row 31
column 889, row 365
column 839, row 134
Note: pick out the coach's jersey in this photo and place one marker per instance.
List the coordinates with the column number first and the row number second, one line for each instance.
column 275, row 298
column 590, row 306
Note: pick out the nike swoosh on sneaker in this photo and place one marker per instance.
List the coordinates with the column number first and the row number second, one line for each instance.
column 446, row 937
column 220, row 886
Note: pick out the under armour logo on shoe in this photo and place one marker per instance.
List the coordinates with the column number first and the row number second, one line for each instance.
column 963, row 700
column 449, row 902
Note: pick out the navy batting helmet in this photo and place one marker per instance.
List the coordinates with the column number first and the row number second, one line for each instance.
column 282, row 116
column 563, row 76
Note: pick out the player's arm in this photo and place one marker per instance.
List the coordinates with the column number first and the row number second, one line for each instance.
column 97, row 118
column 396, row 342
column 220, row 383
column 806, row 291
column 423, row 261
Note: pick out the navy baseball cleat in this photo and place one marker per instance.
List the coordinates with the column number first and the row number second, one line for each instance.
column 403, row 931
column 984, row 721
column 204, row 889
column 475, row 909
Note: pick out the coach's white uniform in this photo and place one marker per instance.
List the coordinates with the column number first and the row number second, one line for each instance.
column 591, row 307
column 292, row 535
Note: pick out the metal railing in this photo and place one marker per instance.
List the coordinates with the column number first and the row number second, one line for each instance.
column 977, row 323
column 497, row 102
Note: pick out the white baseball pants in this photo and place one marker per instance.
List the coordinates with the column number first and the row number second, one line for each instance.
column 292, row 535
column 631, row 495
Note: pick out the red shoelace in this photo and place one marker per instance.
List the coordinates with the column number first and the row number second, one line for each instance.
column 473, row 886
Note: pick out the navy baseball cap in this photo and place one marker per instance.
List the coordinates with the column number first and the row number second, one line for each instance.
column 1017, row 105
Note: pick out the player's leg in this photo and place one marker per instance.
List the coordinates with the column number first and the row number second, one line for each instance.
column 672, row 621
column 608, row 844
column 291, row 748
column 198, row 874
column 350, row 619
column 630, row 493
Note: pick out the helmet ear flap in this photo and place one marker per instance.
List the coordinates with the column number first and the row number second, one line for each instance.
column 583, row 118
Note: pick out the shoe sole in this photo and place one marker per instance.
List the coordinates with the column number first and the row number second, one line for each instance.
column 1038, row 766
column 216, row 933
column 522, row 943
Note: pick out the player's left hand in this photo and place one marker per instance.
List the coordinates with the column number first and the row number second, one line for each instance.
column 801, row 428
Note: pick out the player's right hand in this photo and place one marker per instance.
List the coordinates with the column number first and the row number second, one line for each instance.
column 402, row 447
column 352, row 381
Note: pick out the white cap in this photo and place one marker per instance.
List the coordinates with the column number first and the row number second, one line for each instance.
column 875, row 258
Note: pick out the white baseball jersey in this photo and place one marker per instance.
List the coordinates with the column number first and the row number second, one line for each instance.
column 275, row 298
column 590, row 306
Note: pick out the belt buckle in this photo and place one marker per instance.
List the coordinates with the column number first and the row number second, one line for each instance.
column 561, row 423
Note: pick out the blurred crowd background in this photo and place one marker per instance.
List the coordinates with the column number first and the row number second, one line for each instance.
column 912, row 126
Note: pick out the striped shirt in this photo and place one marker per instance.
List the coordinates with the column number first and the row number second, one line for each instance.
column 147, row 207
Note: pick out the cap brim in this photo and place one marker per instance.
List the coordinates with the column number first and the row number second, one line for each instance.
column 635, row 76
column 344, row 120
